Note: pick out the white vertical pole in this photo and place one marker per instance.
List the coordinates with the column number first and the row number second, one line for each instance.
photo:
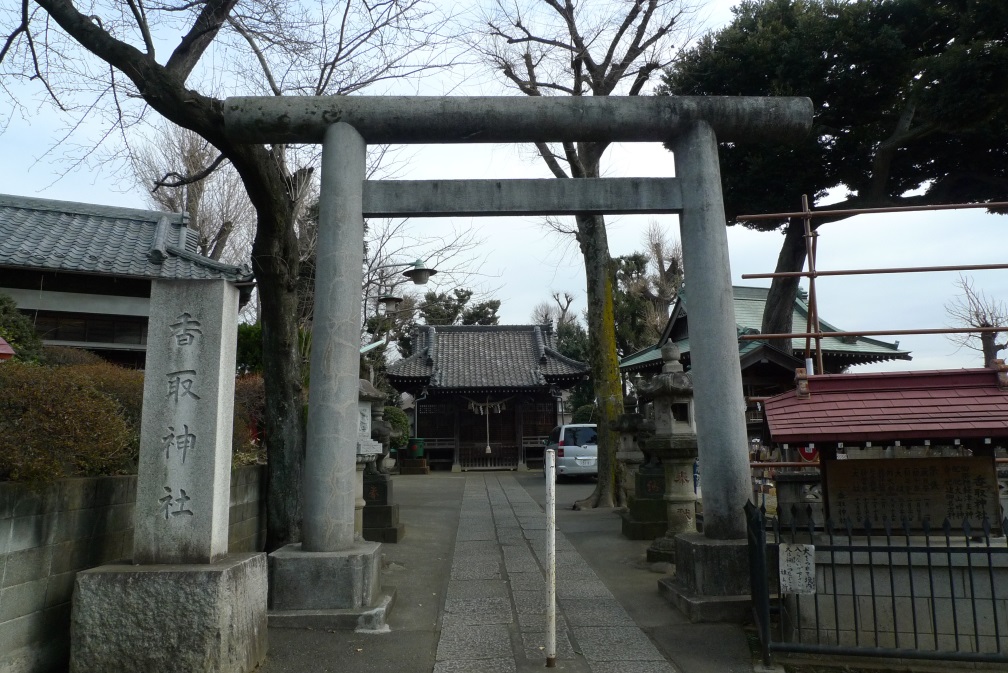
column 551, row 558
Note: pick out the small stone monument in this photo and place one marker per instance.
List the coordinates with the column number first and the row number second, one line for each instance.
column 184, row 604
column 674, row 443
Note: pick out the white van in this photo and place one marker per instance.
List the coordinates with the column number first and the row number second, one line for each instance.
column 576, row 446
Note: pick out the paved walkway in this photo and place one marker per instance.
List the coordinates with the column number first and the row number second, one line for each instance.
column 471, row 592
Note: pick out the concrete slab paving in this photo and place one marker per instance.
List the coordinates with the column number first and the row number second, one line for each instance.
column 471, row 592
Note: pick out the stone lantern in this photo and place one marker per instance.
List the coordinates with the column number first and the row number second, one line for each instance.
column 368, row 450
column 381, row 513
column 645, row 517
column 674, row 443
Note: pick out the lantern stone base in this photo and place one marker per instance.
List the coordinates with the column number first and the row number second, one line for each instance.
column 338, row 590
column 185, row 617
column 645, row 518
column 381, row 515
column 381, row 523
column 711, row 581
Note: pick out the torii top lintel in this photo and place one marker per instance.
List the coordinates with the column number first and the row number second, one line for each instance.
column 505, row 119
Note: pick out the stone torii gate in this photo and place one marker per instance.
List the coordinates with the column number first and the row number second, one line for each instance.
column 346, row 125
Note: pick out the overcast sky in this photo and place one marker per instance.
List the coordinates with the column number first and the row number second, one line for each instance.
column 525, row 263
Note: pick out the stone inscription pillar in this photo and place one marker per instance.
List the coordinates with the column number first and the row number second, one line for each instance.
column 184, row 604
column 184, row 474
column 714, row 352
column 331, row 452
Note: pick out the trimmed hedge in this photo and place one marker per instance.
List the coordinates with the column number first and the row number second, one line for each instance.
column 63, row 356
column 56, row 423
column 84, row 420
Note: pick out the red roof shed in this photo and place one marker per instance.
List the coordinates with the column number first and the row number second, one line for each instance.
column 970, row 405
column 6, row 352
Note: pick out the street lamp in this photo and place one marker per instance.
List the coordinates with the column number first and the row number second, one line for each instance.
column 389, row 303
column 419, row 274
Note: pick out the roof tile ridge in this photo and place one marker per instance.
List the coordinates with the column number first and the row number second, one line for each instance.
column 15, row 201
column 159, row 248
column 207, row 262
column 539, row 344
column 432, row 347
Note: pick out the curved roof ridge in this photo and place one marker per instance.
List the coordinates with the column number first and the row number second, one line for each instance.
column 566, row 360
column 78, row 207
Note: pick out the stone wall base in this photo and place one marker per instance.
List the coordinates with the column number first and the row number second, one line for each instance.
column 206, row 617
column 711, row 582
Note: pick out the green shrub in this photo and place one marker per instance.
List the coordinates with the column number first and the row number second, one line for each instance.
column 249, row 417
column 583, row 414
column 17, row 330
column 63, row 356
column 249, row 351
column 400, row 426
column 54, row 423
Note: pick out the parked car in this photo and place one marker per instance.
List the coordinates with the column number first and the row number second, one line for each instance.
column 576, row 446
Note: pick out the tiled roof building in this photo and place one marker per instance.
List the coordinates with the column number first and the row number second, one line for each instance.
column 83, row 271
column 479, row 386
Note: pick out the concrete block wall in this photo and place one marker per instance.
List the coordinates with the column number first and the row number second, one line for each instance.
column 46, row 537
column 900, row 598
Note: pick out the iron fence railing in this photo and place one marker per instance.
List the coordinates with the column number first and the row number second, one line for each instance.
column 884, row 590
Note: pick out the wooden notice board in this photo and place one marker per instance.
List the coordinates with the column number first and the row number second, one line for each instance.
column 915, row 488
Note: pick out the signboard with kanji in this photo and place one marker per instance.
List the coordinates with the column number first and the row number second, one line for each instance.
column 915, row 489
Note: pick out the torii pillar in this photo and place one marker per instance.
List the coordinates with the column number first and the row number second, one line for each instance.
column 333, row 577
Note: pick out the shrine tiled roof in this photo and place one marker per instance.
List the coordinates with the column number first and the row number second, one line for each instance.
column 485, row 357
column 749, row 303
column 940, row 406
column 62, row 236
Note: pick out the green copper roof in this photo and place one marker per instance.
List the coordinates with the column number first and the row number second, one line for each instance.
column 749, row 303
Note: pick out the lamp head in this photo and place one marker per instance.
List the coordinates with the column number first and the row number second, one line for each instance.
column 419, row 274
column 389, row 302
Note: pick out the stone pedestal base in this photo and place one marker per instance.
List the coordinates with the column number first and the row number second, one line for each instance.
column 381, row 523
column 206, row 617
column 414, row 466
column 711, row 582
column 645, row 518
column 339, row 589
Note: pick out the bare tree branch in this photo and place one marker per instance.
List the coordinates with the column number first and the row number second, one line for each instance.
column 267, row 71
column 180, row 180
column 189, row 51
column 141, row 21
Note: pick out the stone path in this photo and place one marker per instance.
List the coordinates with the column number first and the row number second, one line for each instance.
column 494, row 617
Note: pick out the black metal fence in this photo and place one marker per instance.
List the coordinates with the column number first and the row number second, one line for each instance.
column 883, row 591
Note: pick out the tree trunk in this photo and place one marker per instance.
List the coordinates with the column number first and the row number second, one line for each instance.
column 783, row 291
column 274, row 260
column 602, row 358
column 989, row 348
